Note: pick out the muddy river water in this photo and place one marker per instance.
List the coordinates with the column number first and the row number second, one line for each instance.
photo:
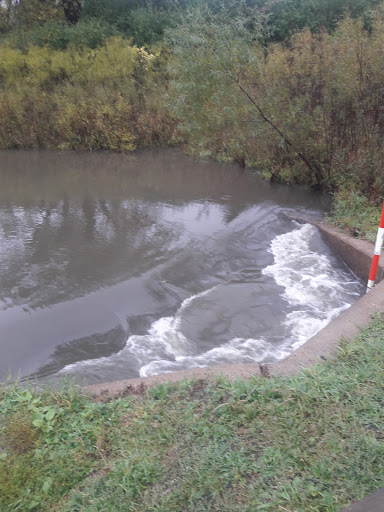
column 114, row 266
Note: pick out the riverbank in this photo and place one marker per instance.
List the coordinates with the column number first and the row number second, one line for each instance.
column 312, row 442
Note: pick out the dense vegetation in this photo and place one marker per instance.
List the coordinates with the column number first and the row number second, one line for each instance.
column 313, row 442
column 82, row 98
column 293, row 88
column 311, row 113
column 144, row 21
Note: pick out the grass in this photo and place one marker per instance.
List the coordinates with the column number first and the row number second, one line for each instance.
column 314, row 442
column 354, row 213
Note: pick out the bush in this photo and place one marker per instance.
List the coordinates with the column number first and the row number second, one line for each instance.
column 58, row 36
column 108, row 98
column 309, row 113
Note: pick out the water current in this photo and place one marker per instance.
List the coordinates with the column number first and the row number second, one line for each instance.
column 114, row 266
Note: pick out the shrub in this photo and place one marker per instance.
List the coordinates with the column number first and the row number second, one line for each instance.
column 108, row 98
column 310, row 113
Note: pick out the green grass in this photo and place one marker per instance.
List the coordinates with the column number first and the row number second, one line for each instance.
column 355, row 214
column 314, row 442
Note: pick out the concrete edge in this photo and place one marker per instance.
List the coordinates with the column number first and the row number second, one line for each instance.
column 230, row 371
column 357, row 254
column 323, row 345
column 372, row 503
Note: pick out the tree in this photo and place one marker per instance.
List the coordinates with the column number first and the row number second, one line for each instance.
column 219, row 90
column 38, row 12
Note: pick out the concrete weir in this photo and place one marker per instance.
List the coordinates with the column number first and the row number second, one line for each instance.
column 357, row 254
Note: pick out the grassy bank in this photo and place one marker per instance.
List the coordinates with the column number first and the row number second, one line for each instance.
column 314, row 442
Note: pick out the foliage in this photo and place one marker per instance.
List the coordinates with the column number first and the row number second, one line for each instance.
column 82, row 98
column 146, row 26
column 59, row 36
column 310, row 113
column 313, row 442
column 285, row 17
column 142, row 22
column 307, row 111
column 23, row 13
column 202, row 94
column 356, row 214
column 282, row 17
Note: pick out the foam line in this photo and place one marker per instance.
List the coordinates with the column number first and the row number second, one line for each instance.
column 315, row 292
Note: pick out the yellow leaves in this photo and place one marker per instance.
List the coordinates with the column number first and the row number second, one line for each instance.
column 114, row 63
column 87, row 123
column 81, row 98
column 11, row 64
column 342, row 63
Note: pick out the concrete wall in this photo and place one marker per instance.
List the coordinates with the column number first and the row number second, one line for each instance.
column 357, row 254
column 321, row 346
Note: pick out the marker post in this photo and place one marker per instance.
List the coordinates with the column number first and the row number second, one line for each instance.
column 376, row 253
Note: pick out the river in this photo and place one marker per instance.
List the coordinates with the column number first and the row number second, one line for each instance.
column 114, row 266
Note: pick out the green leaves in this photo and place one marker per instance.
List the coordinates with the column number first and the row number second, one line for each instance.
column 43, row 418
column 47, row 485
column 307, row 113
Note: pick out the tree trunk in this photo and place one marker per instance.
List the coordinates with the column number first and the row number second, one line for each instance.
column 72, row 10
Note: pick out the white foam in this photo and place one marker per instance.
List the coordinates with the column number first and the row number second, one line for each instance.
column 238, row 350
column 315, row 291
column 163, row 340
column 310, row 282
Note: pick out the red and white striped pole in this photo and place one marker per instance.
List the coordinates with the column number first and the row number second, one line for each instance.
column 376, row 252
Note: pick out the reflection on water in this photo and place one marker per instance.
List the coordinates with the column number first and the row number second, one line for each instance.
column 97, row 249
